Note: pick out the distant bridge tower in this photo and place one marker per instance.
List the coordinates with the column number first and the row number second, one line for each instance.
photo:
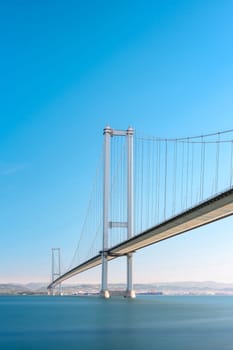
column 108, row 133
column 56, row 268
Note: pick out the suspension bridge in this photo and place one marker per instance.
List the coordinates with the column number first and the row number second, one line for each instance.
column 148, row 189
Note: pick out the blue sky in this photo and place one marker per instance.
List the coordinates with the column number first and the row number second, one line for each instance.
column 67, row 69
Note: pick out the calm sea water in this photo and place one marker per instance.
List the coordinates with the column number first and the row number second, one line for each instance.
column 148, row 322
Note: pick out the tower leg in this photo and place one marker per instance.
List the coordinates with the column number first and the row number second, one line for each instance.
column 104, row 288
column 130, row 293
column 106, row 189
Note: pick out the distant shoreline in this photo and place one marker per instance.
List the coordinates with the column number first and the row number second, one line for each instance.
column 169, row 288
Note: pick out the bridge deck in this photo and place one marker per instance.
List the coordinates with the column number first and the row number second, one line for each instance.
column 211, row 210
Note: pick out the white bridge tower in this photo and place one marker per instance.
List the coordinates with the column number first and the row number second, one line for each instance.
column 108, row 133
column 56, row 268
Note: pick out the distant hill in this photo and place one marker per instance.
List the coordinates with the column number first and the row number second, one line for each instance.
column 13, row 289
column 35, row 286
